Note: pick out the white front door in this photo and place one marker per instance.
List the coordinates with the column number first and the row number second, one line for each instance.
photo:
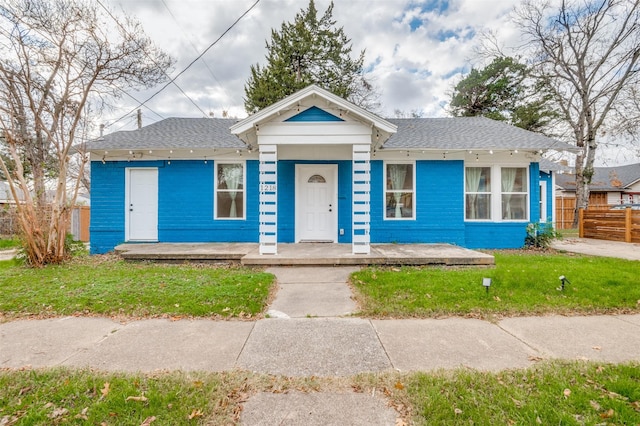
column 316, row 202
column 142, row 205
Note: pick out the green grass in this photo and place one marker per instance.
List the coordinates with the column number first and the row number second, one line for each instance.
column 101, row 285
column 555, row 394
column 522, row 284
column 568, row 393
column 10, row 243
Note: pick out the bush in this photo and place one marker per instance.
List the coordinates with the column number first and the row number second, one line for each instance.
column 540, row 235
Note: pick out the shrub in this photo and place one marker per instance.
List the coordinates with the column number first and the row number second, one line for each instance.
column 540, row 235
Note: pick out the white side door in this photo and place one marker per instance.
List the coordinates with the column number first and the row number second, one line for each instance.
column 141, row 209
column 316, row 202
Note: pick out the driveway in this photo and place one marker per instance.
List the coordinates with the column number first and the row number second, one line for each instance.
column 593, row 247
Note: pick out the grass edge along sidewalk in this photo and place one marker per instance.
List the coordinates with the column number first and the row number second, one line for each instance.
column 108, row 286
column 558, row 392
column 522, row 284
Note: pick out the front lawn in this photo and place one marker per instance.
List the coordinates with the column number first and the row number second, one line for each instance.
column 103, row 285
column 548, row 393
column 522, row 284
column 10, row 243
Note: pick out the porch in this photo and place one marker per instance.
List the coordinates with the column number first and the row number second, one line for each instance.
column 308, row 254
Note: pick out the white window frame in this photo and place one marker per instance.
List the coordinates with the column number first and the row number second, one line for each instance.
column 491, row 193
column 496, row 192
column 413, row 191
column 216, row 190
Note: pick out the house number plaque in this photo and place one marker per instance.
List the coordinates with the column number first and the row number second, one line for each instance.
column 268, row 187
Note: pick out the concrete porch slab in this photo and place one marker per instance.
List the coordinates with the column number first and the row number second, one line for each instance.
column 381, row 254
column 222, row 252
column 307, row 254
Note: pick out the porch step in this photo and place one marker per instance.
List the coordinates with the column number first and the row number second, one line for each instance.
column 184, row 252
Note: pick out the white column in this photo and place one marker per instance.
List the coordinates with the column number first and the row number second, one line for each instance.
column 361, row 204
column 268, row 208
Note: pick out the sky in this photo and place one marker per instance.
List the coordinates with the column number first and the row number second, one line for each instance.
column 415, row 51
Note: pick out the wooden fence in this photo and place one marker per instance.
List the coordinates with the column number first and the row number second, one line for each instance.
column 614, row 225
column 78, row 225
column 566, row 207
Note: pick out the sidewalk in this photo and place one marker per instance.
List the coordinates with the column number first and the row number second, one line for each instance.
column 316, row 346
column 309, row 333
column 593, row 247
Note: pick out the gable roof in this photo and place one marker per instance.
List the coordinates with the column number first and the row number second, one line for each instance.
column 613, row 179
column 547, row 165
column 316, row 94
column 173, row 133
column 458, row 133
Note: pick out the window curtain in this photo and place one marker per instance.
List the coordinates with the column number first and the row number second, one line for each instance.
column 508, row 182
column 473, row 185
column 397, row 174
column 232, row 174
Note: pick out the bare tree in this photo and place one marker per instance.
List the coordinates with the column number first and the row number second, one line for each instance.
column 56, row 58
column 587, row 52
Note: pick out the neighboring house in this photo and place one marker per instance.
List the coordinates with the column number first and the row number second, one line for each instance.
column 6, row 197
column 315, row 167
column 609, row 186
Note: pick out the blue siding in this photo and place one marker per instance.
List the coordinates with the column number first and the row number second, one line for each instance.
column 107, row 205
column 439, row 205
column 186, row 213
column 495, row 235
column 185, row 204
column 314, row 114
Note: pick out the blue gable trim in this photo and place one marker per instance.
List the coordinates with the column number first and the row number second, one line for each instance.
column 314, row 114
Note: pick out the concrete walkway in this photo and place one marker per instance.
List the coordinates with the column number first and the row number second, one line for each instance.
column 593, row 247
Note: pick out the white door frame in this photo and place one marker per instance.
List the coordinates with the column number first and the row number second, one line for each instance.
column 330, row 172
column 543, row 201
column 127, row 204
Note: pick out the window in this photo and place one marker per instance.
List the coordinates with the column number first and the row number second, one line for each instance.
column 317, row 179
column 399, row 191
column 478, row 193
column 506, row 201
column 514, row 193
column 229, row 191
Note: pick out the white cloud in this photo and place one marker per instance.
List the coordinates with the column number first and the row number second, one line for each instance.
column 414, row 68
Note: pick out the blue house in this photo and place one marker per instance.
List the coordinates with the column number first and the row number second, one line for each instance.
column 317, row 168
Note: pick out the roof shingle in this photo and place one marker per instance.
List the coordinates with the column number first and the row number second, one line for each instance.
column 457, row 133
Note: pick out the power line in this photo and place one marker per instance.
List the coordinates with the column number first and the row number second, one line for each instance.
column 154, row 62
column 186, row 36
column 192, row 62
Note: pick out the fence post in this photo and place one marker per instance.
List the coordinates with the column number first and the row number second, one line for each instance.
column 581, row 223
column 627, row 225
